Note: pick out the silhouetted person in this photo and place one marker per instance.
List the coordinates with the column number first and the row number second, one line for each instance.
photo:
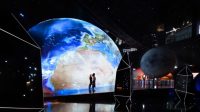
column 93, row 82
column 90, row 78
column 90, row 84
column 143, row 81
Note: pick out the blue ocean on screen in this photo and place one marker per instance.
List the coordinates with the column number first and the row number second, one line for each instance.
column 71, row 50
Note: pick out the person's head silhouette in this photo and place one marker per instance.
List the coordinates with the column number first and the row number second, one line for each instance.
column 93, row 74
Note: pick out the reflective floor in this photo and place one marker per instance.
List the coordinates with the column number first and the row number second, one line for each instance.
column 143, row 103
column 134, row 107
column 147, row 106
column 78, row 107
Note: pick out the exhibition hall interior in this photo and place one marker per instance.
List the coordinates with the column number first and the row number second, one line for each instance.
column 99, row 56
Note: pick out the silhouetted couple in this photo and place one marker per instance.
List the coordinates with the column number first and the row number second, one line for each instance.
column 92, row 83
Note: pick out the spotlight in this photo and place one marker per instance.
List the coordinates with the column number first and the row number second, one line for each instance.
column 28, row 83
column 130, row 50
column 195, row 74
column 21, row 14
column 143, row 106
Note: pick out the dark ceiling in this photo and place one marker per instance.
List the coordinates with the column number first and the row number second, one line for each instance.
column 136, row 20
column 133, row 21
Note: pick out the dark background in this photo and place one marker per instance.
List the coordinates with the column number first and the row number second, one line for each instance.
column 133, row 21
column 19, row 64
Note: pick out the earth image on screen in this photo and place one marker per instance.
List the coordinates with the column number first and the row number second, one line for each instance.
column 71, row 50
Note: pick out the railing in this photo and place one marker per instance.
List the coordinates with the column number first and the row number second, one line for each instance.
column 152, row 84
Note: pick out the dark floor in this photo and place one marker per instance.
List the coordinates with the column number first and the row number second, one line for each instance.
column 152, row 100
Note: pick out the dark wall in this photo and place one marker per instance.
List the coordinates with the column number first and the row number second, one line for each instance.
column 20, row 72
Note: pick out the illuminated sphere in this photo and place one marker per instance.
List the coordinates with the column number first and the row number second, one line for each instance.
column 71, row 50
column 158, row 62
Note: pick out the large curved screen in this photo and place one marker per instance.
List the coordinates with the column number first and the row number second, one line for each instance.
column 71, row 50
